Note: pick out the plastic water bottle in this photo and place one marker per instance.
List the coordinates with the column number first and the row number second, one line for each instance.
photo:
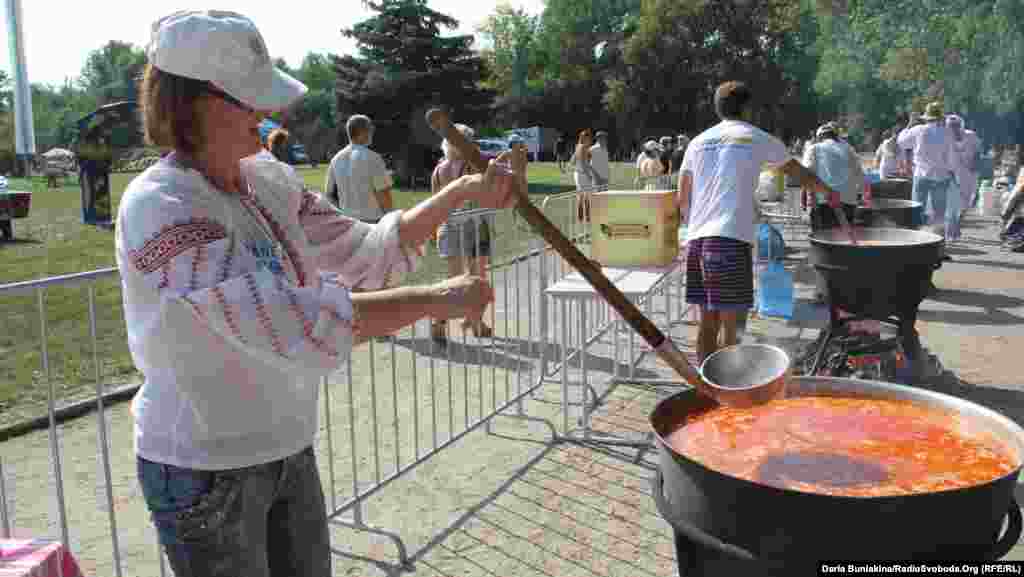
column 986, row 200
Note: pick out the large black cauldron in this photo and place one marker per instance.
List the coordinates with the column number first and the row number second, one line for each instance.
column 884, row 277
column 887, row 273
column 731, row 526
column 891, row 212
column 898, row 188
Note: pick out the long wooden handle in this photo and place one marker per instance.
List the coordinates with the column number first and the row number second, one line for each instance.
column 808, row 179
column 664, row 347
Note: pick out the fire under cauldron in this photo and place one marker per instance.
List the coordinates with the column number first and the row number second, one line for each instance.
column 725, row 525
column 884, row 277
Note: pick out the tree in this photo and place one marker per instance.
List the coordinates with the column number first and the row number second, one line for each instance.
column 403, row 67
column 511, row 35
column 112, row 72
column 681, row 50
column 317, row 72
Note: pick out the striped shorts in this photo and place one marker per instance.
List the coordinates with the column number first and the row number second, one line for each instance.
column 719, row 274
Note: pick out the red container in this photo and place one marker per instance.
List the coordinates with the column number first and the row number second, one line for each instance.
column 15, row 204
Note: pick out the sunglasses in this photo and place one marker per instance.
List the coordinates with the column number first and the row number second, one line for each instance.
column 227, row 98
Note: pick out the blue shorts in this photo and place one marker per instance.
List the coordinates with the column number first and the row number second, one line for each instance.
column 720, row 274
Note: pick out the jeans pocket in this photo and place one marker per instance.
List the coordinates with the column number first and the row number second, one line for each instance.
column 188, row 505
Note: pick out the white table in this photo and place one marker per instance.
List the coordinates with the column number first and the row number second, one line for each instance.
column 639, row 286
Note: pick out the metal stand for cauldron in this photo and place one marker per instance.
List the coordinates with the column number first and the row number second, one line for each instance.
column 884, row 282
column 906, row 336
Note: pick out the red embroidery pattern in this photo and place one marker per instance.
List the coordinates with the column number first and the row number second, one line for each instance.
column 307, row 325
column 197, row 262
column 324, row 212
column 279, row 232
column 229, row 256
column 165, row 276
column 263, row 315
column 173, row 240
column 196, row 310
column 229, row 313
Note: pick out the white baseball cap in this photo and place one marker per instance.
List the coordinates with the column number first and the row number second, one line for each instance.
column 226, row 50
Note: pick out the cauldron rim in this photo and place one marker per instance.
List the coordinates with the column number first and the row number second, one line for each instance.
column 838, row 238
column 873, row 389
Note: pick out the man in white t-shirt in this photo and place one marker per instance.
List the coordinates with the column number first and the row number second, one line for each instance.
column 717, row 185
column 358, row 181
column 934, row 163
column 599, row 158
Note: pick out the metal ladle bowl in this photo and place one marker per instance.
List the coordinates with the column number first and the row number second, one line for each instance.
column 746, row 375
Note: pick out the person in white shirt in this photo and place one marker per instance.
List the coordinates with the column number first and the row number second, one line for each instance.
column 887, row 157
column 583, row 173
column 968, row 148
column 599, row 159
column 837, row 165
column 717, row 185
column 465, row 243
column 236, row 286
column 934, row 162
column 358, row 181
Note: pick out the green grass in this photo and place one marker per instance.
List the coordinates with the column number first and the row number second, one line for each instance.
column 53, row 241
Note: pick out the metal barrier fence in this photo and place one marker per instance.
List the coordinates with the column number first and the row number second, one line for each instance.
column 579, row 321
column 403, row 400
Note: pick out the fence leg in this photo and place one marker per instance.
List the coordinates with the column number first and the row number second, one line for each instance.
column 5, row 522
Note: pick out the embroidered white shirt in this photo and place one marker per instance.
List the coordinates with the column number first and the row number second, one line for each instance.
column 236, row 305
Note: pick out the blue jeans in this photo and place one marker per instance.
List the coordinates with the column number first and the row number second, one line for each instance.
column 937, row 191
column 953, row 210
column 267, row 520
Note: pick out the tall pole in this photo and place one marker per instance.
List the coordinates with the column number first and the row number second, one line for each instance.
column 24, row 131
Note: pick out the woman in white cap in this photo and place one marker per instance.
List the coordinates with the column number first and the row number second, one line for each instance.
column 236, row 291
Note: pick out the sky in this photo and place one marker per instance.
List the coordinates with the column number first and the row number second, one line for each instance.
column 56, row 45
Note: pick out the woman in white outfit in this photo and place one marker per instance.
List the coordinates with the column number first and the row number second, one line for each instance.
column 583, row 172
column 239, row 288
column 887, row 157
column 968, row 149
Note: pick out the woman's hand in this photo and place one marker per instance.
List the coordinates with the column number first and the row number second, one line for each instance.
column 496, row 188
column 465, row 296
column 505, row 176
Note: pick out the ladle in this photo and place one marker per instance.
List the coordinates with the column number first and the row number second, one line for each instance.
column 760, row 388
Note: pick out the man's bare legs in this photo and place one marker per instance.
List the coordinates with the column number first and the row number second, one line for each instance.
column 729, row 320
column 707, row 333
column 711, row 323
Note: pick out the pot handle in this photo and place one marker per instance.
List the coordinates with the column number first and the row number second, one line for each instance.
column 692, row 532
column 834, row 267
column 1014, row 526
